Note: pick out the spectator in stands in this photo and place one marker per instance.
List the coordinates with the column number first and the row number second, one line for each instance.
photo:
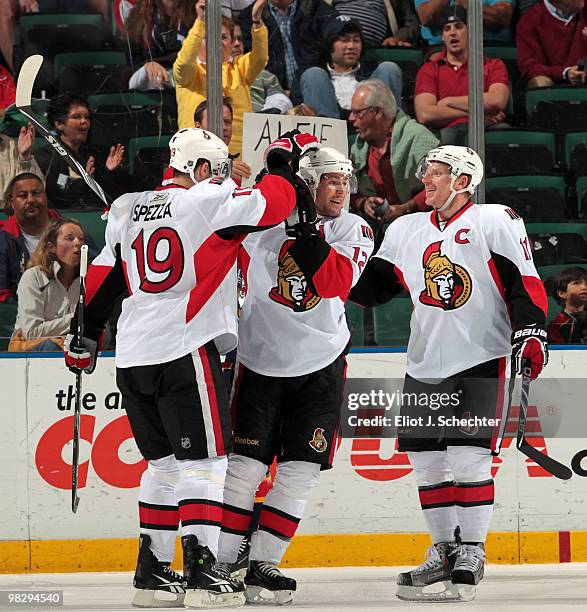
column 49, row 289
column 16, row 157
column 237, row 75
column 329, row 88
column 267, row 95
column 240, row 170
column 69, row 115
column 442, row 85
column 7, row 89
column 392, row 23
column 551, row 39
column 11, row 10
column 296, row 29
column 570, row 291
column 158, row 28
column 389, row 146
column 497, row 19
column 26, row 204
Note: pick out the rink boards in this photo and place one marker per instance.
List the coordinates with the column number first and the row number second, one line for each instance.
column 365, row 511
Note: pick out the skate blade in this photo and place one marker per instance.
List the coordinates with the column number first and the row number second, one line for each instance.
column 153, row 598
column 203, row 599
column 257, row 595
column 239, row 574
column 439, row 591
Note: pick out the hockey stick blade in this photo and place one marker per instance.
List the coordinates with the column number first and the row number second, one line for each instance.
column 24, row 88
column 548, row 463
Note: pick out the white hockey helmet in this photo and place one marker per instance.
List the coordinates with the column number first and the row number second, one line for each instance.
column 326, row 160
column 461, row 160
column 191, row 145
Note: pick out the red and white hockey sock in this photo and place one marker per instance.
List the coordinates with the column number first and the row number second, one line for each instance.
column 243, row 476
column 199, row 494
column 158, row 511
column 474, row 490
column 283, row 510
column 437, row 493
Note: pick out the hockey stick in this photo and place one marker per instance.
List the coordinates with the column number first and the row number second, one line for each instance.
column 24, row 89
column 548, row 463
column 83, row 268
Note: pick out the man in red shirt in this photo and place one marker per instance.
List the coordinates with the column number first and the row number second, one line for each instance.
column 7, row 89
column 552, row 39
column 442, row 84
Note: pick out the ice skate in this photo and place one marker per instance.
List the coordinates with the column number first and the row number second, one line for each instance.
column 430, row 581
column 238, row 569
column 265, row 584
column 205, row 585
column 468, row 569
column 158, row 586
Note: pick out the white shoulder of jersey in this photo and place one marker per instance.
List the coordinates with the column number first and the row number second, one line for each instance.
column 347, row 226
column 124, row 204
column 213, row 188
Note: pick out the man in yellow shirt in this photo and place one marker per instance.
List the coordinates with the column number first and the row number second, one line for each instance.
column 237, row 74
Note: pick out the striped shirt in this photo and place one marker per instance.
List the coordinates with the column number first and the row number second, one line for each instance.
column 284, row 21
column 372, row 16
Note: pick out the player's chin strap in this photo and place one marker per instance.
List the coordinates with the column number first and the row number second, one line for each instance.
column 451, row 197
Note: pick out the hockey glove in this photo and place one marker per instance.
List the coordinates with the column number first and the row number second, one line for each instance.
column 529, row 344
column 80, row 358
column 288, row 149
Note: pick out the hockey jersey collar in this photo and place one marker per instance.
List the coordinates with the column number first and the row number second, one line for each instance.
column 459, row 213
column 170, row 186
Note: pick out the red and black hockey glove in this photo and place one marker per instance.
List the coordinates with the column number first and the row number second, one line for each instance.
column 80, row 356
column 288, row 149
column 529, row 344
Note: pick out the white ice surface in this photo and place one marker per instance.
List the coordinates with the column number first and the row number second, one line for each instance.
column 512, row 588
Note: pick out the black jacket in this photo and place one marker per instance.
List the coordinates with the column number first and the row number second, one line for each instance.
column 306, row 37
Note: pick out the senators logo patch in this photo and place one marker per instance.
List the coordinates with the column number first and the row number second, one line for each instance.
column 292, row 288
column 448, row 285
column 318, row 442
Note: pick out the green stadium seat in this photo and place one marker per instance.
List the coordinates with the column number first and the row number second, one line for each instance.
column 392, row 322
column 535, row 198
column 581, row 188
column 91, row 222
column 14, row 119
column 558, row 243
column 559, row 108
column 7, row 319
column 512, row 152
column 576, row 153
column 553, row 308
column 354, row 318
column 118, row 117
column 548, row 272
column 148, row 157
column 92, row 72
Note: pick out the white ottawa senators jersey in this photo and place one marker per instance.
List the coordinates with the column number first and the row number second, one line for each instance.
column 285, row 328
column 180, row 273
column 460, row 281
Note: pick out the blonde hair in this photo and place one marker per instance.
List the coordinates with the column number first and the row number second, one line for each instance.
column 42, row 255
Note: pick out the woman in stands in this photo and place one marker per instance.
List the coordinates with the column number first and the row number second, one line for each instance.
column 49, row 289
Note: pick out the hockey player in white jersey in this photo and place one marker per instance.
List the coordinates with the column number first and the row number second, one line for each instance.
column 290, row 370
column 173, row 250
column 478, row 301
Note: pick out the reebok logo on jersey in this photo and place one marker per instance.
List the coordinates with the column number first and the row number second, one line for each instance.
column 292, row 287
column 448, row 285
column 318, row 442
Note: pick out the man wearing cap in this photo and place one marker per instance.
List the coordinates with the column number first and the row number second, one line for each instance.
column 497, row 19
column 442, row 84
column 330, row 88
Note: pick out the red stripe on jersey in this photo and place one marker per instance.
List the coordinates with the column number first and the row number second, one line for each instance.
column 501, row 382
column 496, row 278
column 95, row 277
column 243, row 260
column 158, row 516
column 400, row 277
column 213, row 401
column 336, row 437
column 200, row 511
column 535, row 289
column 280, row 199
column 278, row 521
column 441, row 495
column 460, row 213
column 236, row 521
column 212, row 262
column 334, row 277
column 472, row 494
column 125, row 270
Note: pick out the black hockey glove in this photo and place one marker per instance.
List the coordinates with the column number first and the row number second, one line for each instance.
column 529, row 345
column 288, row 149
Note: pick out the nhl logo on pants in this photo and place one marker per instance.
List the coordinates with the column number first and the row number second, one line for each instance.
column 318, row 442
column 186, row 443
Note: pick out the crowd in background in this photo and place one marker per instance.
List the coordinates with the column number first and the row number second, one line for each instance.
column 301, row 57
